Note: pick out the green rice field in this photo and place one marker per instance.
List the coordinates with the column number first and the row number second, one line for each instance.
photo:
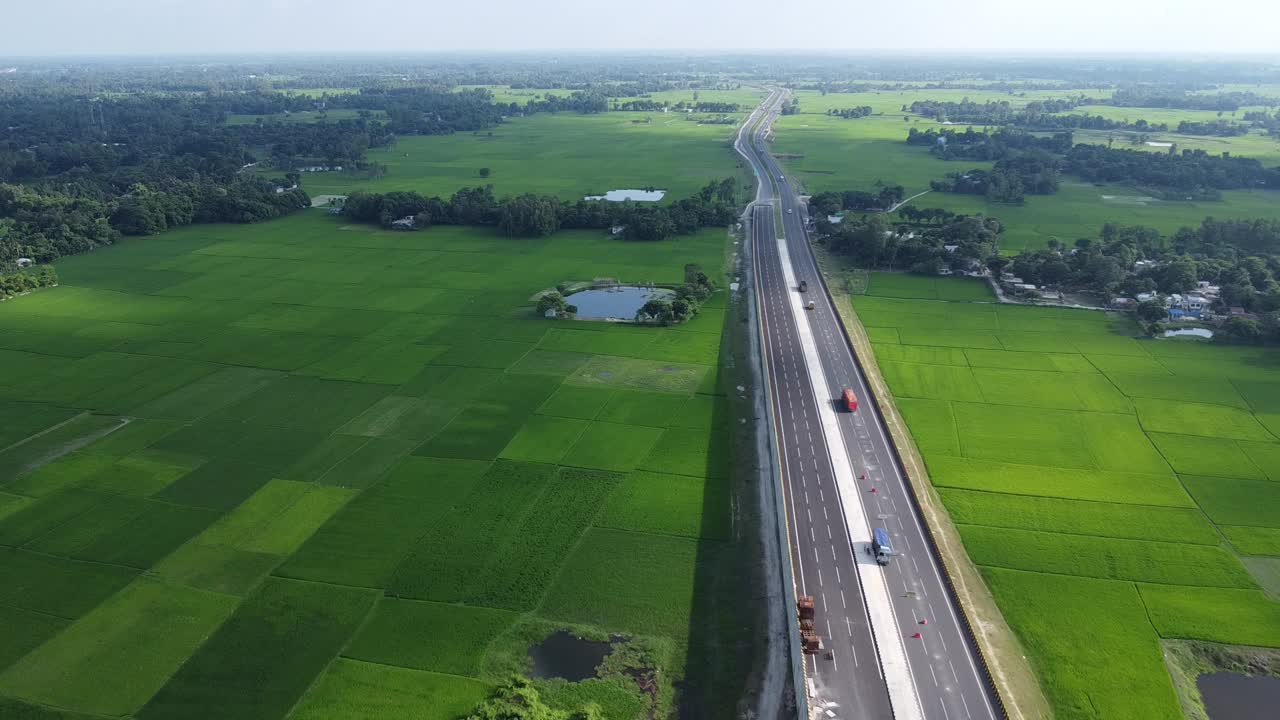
column 608, row 151
column 1114, row 490
column 831, row 153
column 309, row 470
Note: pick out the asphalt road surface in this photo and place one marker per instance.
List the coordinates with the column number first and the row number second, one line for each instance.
column 840, row 481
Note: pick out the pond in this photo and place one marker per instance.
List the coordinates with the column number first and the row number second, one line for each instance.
column 565, row 655
column 615, row 303
column 638, row 195
column 1232, row 696
column 1190, row 332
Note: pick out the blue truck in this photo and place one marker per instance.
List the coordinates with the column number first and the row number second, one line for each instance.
column 880, row 546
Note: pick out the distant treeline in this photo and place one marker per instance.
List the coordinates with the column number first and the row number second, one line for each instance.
column 1026, row 163
column 48, row 225
column 852, row 113
column 531, row 215
column 1189, row 170
column 1160, row 97
column 645, row 105
column 995, row 112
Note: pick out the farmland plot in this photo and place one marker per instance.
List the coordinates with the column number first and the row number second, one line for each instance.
column 352, row 462
column 1107, row 486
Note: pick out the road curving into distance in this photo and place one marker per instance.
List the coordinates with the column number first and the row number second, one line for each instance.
column 894, row 641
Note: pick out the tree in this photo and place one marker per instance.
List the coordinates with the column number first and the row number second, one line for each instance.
column 529, row 215
column 1177, row 276
column 485, row 172
column 1239, row 330
column 1151, row 311
column 651, row 224
column 553, row 301
column 517, row 700
column 658, row 311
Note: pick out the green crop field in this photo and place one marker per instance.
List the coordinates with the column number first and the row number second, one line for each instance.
column 313, row 470
column 1113, row 490
column 609, row 151
column 831, row 153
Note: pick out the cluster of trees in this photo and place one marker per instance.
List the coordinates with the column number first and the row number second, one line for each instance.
column 1028, row 164
column 1151, row 96
column 46, row 225
column 1084, row 122
column 532, row 215
column 518, row 699
column 873, row 241
column 1217, row 128
column 646, row 105
column 1189, row 170
column 689, row 297
column 15, row 283
column 994, row 112
column 1242, row 257
column 852, row 113
column 830, row 202
column 971, row 144
column 555, row 301
column 1038, row 115
column 1009, row 180
column 791, row 107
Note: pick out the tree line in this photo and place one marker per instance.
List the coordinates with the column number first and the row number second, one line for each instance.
column 45, row 226
column 1010, row 179
column 1151, row 96
column 647, row 105
column 929, row 241
column 1029, row 164
column 830, row 202
column 533, row 215
column 852, row 113
column 16, row 283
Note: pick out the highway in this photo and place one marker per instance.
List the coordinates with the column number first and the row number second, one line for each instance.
column 840, row 480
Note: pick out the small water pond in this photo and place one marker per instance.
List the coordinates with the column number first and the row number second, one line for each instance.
column 615, row 303
column 1232, row 696
column 1190, row 332
column 565, row 655
column 632, row 194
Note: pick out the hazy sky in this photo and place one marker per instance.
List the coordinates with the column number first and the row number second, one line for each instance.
column 37, row 27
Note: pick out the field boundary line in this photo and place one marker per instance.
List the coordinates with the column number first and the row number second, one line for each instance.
column 1016, row 688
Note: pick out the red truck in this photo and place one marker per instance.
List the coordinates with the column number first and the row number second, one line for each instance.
column 849, row 399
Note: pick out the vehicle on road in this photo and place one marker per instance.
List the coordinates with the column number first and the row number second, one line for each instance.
column 789, row 211
column 880, row 546
column 849, row 400
column 809, row 305
column 804, row 286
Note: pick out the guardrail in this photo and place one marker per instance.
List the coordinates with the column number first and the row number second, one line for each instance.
column 970, row 635
column 799, row 680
